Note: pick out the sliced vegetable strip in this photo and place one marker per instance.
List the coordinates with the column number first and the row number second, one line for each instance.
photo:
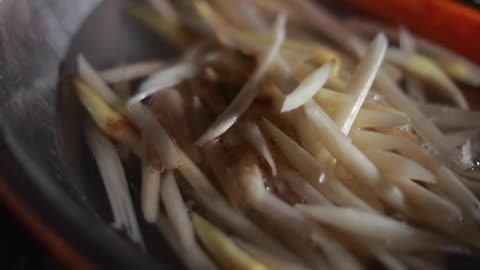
column 222, row 248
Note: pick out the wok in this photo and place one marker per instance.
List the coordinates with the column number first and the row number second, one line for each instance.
column 47, row 175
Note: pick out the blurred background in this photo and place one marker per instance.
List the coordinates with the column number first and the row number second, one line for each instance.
column 473, row 3
column 19, row 250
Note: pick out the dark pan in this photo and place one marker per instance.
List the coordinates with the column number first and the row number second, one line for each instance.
column 47, row 176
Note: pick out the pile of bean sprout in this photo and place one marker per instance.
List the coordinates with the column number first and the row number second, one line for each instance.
column 285, row 137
